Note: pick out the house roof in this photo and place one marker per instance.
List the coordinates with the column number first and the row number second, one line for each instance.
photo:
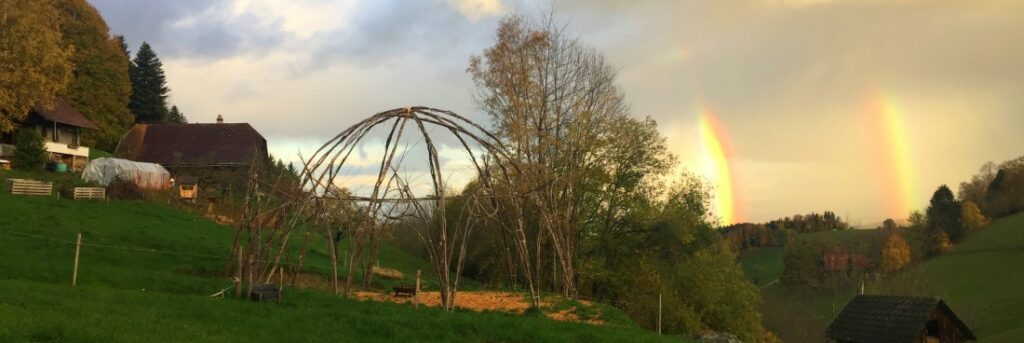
column 884, row 319
column 192, row 144
column 62, row 112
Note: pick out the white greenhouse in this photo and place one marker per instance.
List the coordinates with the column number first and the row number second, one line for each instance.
column 145, row 175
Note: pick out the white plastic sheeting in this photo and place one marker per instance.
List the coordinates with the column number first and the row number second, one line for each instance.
column 145, row 175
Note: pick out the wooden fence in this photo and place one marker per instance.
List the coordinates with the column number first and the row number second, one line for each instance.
column 90, row 193
column 31, row 187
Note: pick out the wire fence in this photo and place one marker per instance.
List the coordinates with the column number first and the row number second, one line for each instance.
column 138, row 249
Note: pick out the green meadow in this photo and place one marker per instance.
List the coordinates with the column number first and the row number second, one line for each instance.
column 147, row 270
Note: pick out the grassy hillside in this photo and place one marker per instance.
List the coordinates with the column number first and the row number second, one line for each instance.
column 979, row 280
column 763, row 265
column 149, row 270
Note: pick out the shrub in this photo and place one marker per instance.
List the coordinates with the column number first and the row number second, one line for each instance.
column 29, row 153
column 124, row 190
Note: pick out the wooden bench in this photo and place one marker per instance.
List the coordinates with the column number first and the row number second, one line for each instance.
column 405, row 290
column 90, row 193
column 31, row 187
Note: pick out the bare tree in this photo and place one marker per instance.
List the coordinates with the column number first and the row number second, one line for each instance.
column 553, row 100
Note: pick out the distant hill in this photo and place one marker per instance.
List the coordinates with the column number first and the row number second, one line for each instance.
column 980, row 280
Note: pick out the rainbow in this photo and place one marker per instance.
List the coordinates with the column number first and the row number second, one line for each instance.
column 889, row 131
column 716, row 159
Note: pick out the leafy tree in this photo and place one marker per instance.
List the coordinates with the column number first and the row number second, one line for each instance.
column 175, row 116
column 976, row 189
column 149, row 87
column 1005, row 195
column 944, row 214
column 803, row 264
column 895, row 253
column 939, row 243
column 35, row 64
column 917, row 219
column 972, row 218
column 101, row 85
column 29, row 153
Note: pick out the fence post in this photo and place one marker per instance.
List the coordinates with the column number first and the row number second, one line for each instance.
column 416, row 294
column 280, row 284
column 74, row 272
column 659, row 313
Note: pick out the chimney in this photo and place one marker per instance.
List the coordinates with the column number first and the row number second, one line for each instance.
column 220, row 119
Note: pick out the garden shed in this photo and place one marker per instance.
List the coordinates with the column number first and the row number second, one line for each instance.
column 145, row 175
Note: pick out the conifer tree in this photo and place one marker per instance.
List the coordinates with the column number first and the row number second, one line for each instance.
column 149, row 87
column 175, row 116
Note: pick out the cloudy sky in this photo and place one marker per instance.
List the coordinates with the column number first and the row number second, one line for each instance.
column 805, row 90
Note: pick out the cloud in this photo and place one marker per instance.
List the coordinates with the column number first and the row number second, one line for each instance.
column 791, row 80
column 476, row 9
column 192, row 29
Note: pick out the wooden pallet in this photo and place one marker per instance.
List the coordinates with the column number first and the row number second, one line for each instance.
column 31, row 187
column 90, row 193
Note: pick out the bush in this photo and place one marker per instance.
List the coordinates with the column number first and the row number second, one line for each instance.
column 29, row 153
column 124, row 190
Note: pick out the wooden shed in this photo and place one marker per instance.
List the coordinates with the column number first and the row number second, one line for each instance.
column 891, row 319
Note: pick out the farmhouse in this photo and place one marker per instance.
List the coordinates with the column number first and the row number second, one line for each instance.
column 180, row 147
column 61, row 127
column 891, row 319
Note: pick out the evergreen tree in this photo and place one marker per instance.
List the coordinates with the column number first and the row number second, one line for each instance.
column 175, row 116
column 944, row 214
column 29, row 153
column 101, row 85
column 124, row 47
column 149, row 87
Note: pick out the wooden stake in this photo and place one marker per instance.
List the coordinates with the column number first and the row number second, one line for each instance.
column 659, row 313
column 74, row 272
column 280, row 284
column 416, row 295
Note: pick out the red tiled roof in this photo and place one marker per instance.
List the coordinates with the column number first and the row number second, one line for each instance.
column 63, row 113
column 173, row 145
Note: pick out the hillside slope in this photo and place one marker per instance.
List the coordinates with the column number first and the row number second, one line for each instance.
column 980, row 280
column 147, row 270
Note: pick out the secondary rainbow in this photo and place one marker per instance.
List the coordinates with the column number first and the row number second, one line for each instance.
column 716, row 165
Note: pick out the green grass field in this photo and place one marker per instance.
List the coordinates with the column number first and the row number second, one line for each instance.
column 980, row 280
column 148, row 270
column 763, row 265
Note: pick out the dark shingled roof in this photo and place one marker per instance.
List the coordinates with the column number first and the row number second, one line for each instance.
column 174, row 145
column 884, row 319
column 63, row 113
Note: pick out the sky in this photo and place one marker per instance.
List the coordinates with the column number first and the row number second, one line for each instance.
column 791, row 106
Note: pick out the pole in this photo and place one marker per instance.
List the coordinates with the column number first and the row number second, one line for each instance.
column 74, row 272
column 280, row 284
column 416, row 294
column 659, row 313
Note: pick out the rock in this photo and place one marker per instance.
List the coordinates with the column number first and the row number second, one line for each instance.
column 719, row 337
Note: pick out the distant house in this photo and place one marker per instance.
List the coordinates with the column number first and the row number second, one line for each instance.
column 183, row 146
column 61, row 127
column 892, row 319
